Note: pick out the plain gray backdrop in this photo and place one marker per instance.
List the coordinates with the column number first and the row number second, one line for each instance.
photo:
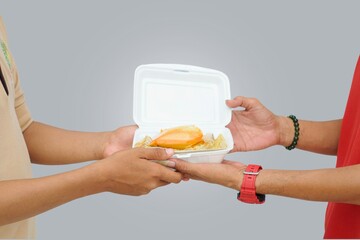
column 76, row 61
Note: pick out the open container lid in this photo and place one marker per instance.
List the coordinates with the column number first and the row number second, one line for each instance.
column 168, row 95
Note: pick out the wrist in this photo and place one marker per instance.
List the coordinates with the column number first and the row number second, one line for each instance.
column 97, row 177
column 237, row 181
column 259, row 183
column 286, row 131
column 248, row 192
column 105, row 141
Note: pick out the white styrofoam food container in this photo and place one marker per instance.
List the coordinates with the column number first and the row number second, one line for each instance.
column 171, row 95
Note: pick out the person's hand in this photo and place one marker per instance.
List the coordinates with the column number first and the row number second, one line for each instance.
column 228, row 173
column 254, row 127
column 118, row 140
column 131, row 172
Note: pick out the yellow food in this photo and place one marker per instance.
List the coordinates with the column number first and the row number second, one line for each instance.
column 178, row 137
column 184, row 138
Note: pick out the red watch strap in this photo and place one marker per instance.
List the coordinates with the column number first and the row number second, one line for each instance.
column 247, row 192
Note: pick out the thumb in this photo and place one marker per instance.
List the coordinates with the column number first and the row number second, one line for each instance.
column 155, row 153
column 184, row 166
column 241, row 101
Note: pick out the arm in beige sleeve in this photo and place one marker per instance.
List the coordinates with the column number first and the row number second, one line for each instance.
column 50, row 145
column 319, row 137
column 126, row 172
column 28, row 197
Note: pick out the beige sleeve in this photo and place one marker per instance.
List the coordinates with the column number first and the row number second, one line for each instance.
column 22, row 111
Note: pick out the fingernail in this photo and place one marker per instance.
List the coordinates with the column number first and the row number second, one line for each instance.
column 166, row 163
column 169, row 151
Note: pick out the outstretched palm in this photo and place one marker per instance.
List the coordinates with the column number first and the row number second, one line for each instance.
column 253, row 128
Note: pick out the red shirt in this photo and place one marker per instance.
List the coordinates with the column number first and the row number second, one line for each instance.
column 343, row 220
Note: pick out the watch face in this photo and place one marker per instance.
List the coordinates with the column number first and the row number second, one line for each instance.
column 261, row 197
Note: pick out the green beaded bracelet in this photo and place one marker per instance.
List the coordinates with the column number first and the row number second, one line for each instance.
column 297, row 132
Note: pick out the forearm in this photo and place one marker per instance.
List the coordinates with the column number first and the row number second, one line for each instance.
column 319, row 137
column 51, row 145
column 329, row 185
column 21, row 199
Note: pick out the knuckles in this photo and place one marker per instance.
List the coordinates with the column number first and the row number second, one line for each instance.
column 141, row 190
column 147, row 188
column 184, row 168
column 159, row 154
column 178, row 180
column 254, row 101
column 155, row 171
column 152, row 153
column 139, row 151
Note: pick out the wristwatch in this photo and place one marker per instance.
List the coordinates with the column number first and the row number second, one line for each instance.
column 247, row 192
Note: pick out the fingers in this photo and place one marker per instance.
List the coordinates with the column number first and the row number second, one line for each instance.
column 185, row 177
column 166, row 163
column 185, row 167
column 169, row 175
column 133, row 126
column 162, row 183
column 155, row 153
column 241, row 101
column 150, row 187
column 130, row 130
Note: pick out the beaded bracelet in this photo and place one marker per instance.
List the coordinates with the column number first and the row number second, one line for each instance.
column 297, row 132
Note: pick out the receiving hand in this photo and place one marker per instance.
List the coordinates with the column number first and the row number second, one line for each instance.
column 119, row 139
column 131, row 172
column 228, row 173
column 253, row 128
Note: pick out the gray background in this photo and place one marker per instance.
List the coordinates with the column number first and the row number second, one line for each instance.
column 77, row 58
